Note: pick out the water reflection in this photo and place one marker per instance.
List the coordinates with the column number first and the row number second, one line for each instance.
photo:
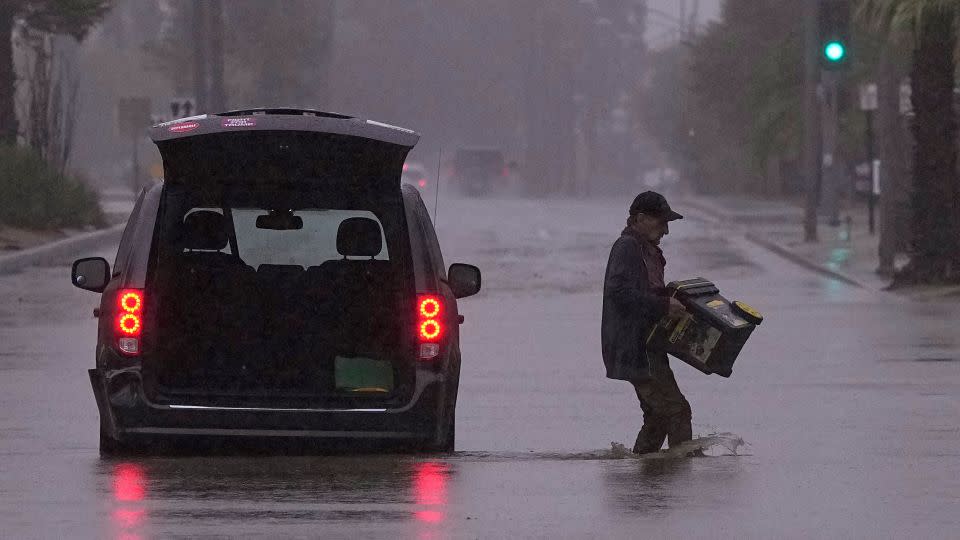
column 129, row 492
column 430, row 491
column 645, row 486
column 156, row 494
column 128, row 482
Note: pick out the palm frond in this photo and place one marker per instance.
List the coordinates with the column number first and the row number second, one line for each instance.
column 896, row 16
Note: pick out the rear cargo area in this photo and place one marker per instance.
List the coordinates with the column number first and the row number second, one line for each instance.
column 227, row 330
column 307, row 313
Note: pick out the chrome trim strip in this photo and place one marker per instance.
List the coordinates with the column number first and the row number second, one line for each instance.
column 274, row 433
column 269, row 409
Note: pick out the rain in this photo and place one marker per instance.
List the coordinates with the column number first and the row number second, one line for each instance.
column 347, row 269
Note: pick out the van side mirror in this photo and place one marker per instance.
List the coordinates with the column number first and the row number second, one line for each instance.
column 91, row 274
column 464, row 279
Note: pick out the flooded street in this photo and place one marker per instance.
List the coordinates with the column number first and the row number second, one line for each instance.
column 845, row 401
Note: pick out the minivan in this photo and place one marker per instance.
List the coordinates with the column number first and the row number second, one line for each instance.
column 279, row 285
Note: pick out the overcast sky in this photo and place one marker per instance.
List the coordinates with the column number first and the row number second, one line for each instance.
column 658, row 26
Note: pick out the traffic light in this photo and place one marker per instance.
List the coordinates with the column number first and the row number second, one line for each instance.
column 834, row 42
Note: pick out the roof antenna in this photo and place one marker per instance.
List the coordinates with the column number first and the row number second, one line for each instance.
column 436, row 200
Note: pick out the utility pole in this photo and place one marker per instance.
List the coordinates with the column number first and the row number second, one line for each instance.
column 812, row 158
column 694, row 20
column 216, row 99
column 200, row 55
column 869, row 103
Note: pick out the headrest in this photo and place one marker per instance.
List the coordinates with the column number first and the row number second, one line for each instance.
column 359, row 237
column 204, row 229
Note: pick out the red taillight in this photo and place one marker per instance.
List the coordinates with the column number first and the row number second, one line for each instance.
column 430, row 330
column 429, row 307
column 422, row 182
column 429, row 325
column 129, row 324
column 129, row 321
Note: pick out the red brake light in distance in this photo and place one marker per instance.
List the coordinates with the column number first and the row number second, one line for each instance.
column 129, row 321
column 429, row 325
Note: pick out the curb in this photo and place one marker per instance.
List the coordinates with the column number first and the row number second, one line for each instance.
column 775, row 248
column 800, row 260
column 738, row 217
column 713, row 213
column 60, row 252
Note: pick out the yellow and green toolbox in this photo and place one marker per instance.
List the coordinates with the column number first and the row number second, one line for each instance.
column 711, row 333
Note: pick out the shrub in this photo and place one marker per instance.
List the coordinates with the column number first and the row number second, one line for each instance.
column 35, row 196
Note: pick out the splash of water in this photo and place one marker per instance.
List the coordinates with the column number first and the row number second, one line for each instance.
column 711, row 445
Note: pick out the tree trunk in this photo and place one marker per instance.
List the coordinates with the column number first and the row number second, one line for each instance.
column 8, row 76
column 934, row 201
column 894, row 145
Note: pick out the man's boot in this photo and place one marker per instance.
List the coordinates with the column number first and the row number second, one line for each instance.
column 650, row 439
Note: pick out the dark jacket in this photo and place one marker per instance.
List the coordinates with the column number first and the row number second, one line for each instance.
column 631, row 307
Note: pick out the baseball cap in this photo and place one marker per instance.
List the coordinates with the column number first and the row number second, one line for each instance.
column 653, row 204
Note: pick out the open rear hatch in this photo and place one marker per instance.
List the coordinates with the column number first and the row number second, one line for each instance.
column 282, row 273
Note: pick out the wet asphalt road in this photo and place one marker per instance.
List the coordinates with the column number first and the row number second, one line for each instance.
column 847, row 402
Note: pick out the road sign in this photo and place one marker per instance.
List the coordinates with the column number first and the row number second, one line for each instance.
column 876, row 177
column 182, row 107
column 906, row 94
column 868, row 97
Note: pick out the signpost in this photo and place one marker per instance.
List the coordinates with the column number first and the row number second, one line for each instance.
column 868, row 104
column 182, row 107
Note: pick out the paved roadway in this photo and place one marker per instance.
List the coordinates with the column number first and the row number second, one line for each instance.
column 846, row 402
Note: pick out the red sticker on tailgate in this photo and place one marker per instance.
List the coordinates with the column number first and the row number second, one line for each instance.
column 184, row 127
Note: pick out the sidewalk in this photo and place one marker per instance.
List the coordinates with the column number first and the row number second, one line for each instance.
column 21, row 248
column 848, row 254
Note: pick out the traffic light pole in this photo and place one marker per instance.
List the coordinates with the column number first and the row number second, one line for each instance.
column 812, row 158
column 831, row 167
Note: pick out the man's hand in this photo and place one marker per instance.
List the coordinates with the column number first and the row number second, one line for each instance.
column 675, row 309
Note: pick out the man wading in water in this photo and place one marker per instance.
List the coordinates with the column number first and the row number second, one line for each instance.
column 633, row 302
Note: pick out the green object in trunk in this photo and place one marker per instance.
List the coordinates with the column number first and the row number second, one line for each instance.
column 363, row 375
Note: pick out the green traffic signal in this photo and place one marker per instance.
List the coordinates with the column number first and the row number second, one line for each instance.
column 834, row 51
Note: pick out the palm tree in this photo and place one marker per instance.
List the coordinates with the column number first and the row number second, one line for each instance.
column 935, row 199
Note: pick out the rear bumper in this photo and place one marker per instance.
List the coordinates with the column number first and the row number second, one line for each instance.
column 126, row 412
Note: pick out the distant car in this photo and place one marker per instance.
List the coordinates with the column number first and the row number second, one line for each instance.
column 415, row 174
column 662, row 178
column 279, row 285
column 479, row 171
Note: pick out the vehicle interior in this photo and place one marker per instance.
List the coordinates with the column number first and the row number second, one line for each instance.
column 260, row 301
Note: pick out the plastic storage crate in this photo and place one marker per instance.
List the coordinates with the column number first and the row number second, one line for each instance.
column 710, row 335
